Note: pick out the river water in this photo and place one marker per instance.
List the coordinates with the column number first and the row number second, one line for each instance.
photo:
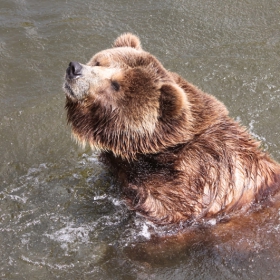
column 61, row 214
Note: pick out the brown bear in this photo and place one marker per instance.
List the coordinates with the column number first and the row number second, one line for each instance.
column 177, row 154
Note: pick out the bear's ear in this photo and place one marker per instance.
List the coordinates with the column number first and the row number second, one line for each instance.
column 173, row 101
column 128, row 40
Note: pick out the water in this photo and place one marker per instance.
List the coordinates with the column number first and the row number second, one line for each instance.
column 61, row 214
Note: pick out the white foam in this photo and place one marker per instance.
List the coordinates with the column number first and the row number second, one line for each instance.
column 143, row 228
column 18, row 198
column 44, row 263
column 116, row 202
column 70, row 234
column 99, row 197
column 251, row 129
column 145, row 232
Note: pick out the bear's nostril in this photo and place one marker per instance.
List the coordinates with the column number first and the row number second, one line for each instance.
column 74, row 70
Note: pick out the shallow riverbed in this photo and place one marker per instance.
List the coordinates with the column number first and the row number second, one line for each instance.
column 61, row 213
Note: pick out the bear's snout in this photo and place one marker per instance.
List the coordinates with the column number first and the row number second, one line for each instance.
column 74, row 70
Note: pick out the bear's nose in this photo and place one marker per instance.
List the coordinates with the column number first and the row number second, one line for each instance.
column 74, row 70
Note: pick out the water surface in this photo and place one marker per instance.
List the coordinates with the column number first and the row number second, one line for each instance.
column 61, row 214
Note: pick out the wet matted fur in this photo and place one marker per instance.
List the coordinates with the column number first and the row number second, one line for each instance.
column 177, row 154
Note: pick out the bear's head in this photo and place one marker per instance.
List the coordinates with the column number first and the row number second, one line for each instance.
column 124, row 101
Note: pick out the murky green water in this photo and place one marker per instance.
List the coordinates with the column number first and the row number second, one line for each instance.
column 61, row 215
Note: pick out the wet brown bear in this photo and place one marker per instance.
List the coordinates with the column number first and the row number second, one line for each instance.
column 177, row 153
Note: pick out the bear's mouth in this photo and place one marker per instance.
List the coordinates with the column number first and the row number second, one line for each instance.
column 68, row 90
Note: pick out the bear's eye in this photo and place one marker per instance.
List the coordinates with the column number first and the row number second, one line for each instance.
column 115, row 85
column 97, row 63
